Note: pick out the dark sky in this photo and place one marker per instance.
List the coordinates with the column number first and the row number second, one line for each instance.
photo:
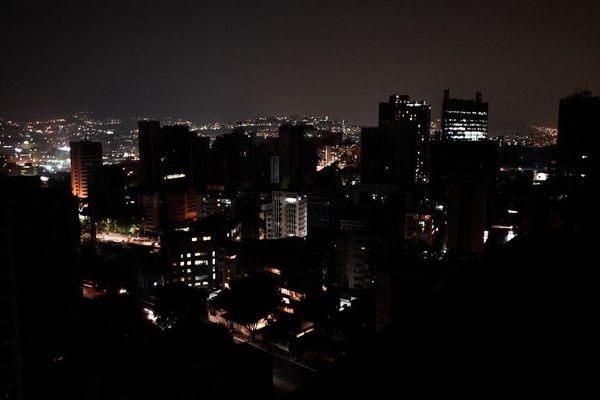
column 232, row 59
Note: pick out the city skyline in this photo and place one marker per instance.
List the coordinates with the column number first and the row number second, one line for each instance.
column 299, row 199
column 215, row 62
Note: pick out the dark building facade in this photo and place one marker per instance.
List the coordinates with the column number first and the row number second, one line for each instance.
column 149, row 149
column 297, row 158
column 201, row 161
column 231, row 160
column 107, row 190
column 464, row 119
column 411, row 121
column 396, row 151
column 577, row 142
column 39, row 239
column 170, row 156
column 462, row 180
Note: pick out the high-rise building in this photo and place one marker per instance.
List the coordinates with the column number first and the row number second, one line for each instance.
column 464, row 119
column 39, row 239
column 170, row 156
column 176, row 155
column 201, row 161
column 396, row 151
column 410, row 122
column 374, row 156
column 462, row 180
column 297, row 158
column 107, row 190
column 231, row 160
column 149, row 149
column 578, row 136
column 86, row 159
column 289, row 215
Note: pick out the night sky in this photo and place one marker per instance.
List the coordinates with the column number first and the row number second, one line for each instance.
column 228, row 60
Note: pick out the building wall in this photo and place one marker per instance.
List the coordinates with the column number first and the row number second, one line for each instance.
column 190, row 259
column 464, row 119
column 86, row 159
column 289, row 216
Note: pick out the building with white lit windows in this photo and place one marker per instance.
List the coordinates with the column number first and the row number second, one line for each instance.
column 464, row 119
column 190, row 258
column 289, row 215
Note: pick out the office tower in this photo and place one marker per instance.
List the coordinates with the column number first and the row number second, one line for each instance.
column 297, row 158
column 149, row 149
column 374, row 156
column 170, row 156
column 396, row 151
column 410, row 122
column 462, row 179
column 107, row 190
column 86, row 158
column 464, row 119
column 265, row 164
column 289, row 215
column 39, row 239
column 577, row 142
column 201, row 161
column 231, row 160
column 176, row 155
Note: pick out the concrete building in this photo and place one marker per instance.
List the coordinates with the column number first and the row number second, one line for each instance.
column 86, row 159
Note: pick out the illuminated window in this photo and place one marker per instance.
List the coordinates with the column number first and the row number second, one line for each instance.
column 292, row 294
column 273, row 270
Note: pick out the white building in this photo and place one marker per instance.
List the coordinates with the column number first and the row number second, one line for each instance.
column 289, row 215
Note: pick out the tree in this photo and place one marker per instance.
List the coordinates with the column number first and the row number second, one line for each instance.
column 249, row 301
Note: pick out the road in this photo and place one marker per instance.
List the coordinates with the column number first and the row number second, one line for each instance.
column 288, row 375
column 121, row 238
